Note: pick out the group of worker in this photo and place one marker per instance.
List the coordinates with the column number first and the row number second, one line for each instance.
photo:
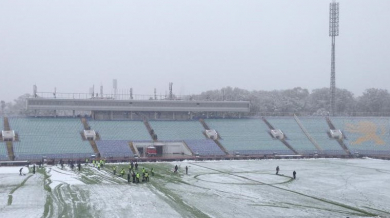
column 294, row 173
column 97, row 163
column 134, row 174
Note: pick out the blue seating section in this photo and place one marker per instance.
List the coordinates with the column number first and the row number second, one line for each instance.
column 318, row 128
column 60, row 137
column 3, row 151
column 204, row 147
column 120, row 130
column 49, row 136
column 246, row 135
column 177, row 130
column 114, row 148
column 366, row 135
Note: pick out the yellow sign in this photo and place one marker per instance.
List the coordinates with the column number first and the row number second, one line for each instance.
column 369, row 131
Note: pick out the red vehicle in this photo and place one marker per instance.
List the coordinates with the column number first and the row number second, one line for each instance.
column 151, row 151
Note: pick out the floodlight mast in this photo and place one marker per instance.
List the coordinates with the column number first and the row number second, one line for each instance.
column 333, row 32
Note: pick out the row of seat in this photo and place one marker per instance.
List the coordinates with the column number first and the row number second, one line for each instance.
column 246, row 136
column 114, row 148
column 204, row 147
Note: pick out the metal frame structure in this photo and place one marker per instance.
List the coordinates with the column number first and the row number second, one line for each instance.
column 333, row 32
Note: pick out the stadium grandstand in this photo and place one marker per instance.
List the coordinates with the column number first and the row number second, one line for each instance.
column 118, row 129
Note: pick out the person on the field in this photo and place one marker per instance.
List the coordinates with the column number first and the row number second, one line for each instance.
column 20, row 171
column 294, row 173
column 137, row 177
column 143, row 171
column 152, row 172
column 131, row 164
column 79, row 166
column 133, row 175
column 86, row 161
column 114, row 169
column 122, row 172
column 128, row 178
column 34, row 169
column 98, row 166
column 277, row 170
column 176, row 168
column 146, row 176
column 136, row 166
column 186, row 169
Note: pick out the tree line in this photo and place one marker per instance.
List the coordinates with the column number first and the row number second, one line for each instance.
column 373, row 102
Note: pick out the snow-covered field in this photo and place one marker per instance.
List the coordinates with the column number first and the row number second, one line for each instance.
column 323, row 188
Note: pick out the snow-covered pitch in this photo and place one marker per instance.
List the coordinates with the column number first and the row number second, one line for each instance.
column 250, row 188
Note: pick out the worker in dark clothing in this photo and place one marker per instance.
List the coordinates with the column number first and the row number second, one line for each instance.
column 114, row 169
column 131, row 164
column 136, row 166
column 277, row 170
column 133, row 175
column 34, row 169
column 128, row 178
column 79, row 166
column 186, row 169
column 176, row 168
column 294, row 173
column 20, row 171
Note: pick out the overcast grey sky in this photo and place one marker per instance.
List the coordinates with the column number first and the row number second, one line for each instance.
column 198, row 45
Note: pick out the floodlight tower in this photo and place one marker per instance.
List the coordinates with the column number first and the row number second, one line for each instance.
column 333, row 32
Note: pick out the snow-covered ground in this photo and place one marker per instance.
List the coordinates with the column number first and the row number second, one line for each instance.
column 323, row 188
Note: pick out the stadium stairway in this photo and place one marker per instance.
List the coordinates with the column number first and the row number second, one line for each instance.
column 91, row 142
column 192, row 152
column 311, row 139
column 340, row 141
column 150, row 130
column 206, row 127
column 282, row 140
column 10, row 147
column 132, row 148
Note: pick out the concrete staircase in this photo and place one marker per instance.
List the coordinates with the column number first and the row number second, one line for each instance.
column 206, row 127
column 311, row 139
column 10, row 147
column 282, row 140
column 150, row 129
column 91, row 142
column 340, row 141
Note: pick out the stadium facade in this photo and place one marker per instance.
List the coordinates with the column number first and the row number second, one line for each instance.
column 123, row 130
